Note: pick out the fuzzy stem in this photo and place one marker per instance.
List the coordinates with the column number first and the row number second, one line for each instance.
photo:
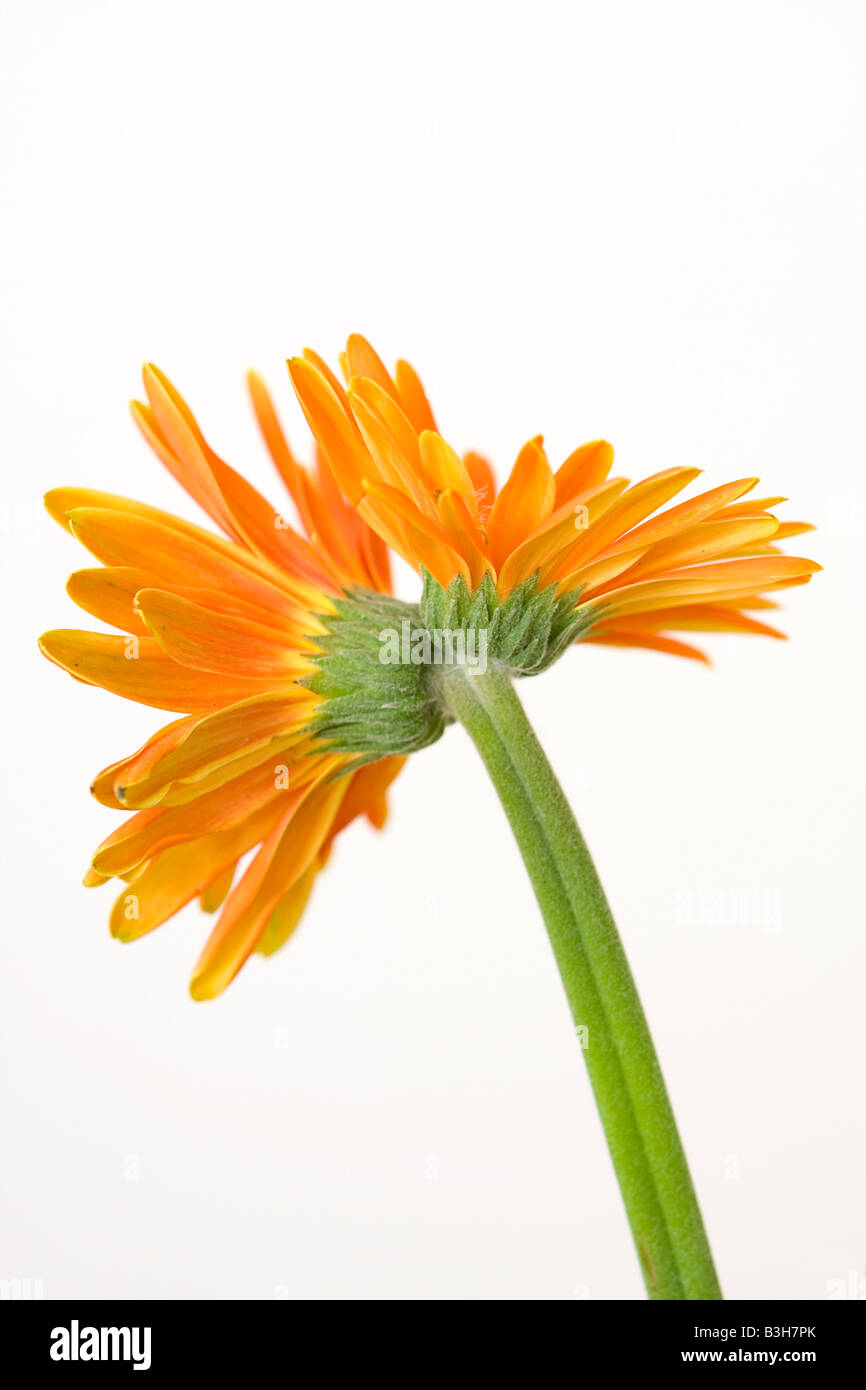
column 624, row 1071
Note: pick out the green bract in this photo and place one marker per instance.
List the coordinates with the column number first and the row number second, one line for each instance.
column 381, row 659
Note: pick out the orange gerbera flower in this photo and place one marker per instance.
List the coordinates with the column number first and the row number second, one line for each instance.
column 222, row 631
column 235, row 634
column 702, row 565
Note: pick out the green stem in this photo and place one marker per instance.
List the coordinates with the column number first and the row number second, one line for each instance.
column 624, row 1071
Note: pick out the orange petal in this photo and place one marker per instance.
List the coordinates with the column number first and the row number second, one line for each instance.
column 216, row 892
column 445, row 469
column 170, row 428
column 636, row 503
column 726, row 580
column 585, row 468
column 108, row 593
column 363, row 361
column 792, row 528
column 413, row 399
column 107, row 785
column 215, row 741
column 463, row 534
column 181, row 873
column 249, row 516
column 544, row 546
column 696, row 617
column 287, row 913
column 524, row 503
column 149, row 832
column 755, row 601
column 483, row 482
column 274, row 588
column 649, row 641
column 587, row 509
column 392, row 443
column 138, row 669
column 393, row 419
column 289, row 755
column 334, row 428
column 366, row 792
column 331, row 513
column 688, row 513
column 180, row 556
column 425, row 542
column 208, row 641
column 377, row 559
column 272, row 432
column 705, row 541
column 752, row 507
column 284, row 856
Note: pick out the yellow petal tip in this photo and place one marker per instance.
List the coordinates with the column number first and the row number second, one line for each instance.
column 203, row 987
column 55, row 503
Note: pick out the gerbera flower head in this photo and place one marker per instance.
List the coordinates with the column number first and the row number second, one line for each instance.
column 270, row 641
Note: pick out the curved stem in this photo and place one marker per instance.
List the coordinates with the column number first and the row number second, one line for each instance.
column 624, row 1071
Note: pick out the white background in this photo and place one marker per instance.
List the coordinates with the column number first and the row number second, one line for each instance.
column 638, row 221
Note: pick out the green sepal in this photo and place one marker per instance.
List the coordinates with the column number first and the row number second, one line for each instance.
column 526, row 632
column 373, row 707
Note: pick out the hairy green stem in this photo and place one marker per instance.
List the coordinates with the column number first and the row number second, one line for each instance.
column 624, row 1071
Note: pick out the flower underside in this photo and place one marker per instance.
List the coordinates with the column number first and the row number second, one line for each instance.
column 300, row 682
column 380, row 661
